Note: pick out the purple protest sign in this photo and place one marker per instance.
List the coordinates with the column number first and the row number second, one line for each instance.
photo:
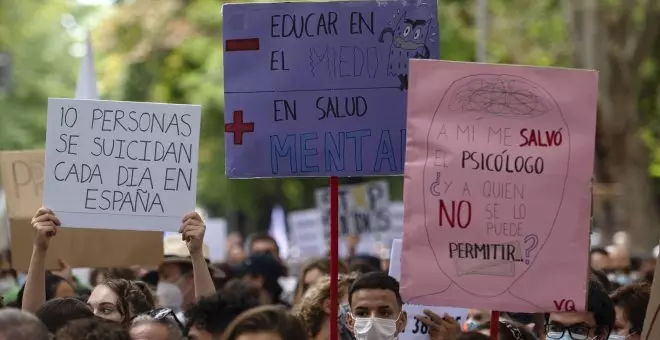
column 319, row 89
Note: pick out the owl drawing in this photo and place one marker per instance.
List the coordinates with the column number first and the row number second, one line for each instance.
column 408, row 41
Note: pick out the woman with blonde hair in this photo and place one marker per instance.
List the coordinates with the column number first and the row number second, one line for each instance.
column 312, row 272
column 314, row 307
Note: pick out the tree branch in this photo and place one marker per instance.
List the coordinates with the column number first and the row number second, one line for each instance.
column 643, row 41
column 573, row 22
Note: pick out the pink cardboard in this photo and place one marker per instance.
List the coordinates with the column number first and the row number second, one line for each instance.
column 497, row 191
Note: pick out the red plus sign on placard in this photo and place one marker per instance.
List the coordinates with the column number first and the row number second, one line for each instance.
column 238, row 128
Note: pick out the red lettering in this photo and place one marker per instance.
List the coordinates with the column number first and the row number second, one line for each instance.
column 540, row 138
column 457, row 212
column 564, row 305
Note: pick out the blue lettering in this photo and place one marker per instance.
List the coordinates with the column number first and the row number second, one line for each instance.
column 357, row 136
column 334, row 151
column 278, row 150
column 306, row 153
column 385, row 152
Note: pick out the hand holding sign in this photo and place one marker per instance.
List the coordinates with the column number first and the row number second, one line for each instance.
column 192, row 231
column 440, row 328
column 425, row 322
column 45, row 225
column 123, row 165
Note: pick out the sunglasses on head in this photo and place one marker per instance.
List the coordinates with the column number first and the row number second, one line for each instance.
column 161, row 314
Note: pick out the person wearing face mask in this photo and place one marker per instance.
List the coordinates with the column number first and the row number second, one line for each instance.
column 376, row 308
column 475, row 318
column 169, row 296
column 176, row 280
column 620, row 263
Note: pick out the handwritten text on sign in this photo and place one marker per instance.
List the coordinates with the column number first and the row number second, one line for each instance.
column 416, row 329
column 23, row 180
column 121, row 165
column 363, row 208
column 498, row 176
column 319, row 89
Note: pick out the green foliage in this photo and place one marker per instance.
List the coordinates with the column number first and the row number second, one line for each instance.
column 42, row 67
column 191, row 72
column 184, row 65
column 171, row 51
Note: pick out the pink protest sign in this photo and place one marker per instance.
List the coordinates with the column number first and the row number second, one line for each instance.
column 497, row 192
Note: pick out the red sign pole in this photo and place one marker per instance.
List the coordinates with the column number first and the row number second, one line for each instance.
column 334, row 256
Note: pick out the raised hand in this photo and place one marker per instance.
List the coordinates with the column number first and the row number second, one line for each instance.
column 440, row 328
column 192, row 231
column 45, row 225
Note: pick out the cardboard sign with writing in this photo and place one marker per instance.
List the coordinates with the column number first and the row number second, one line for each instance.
column 319, row 88
column 499, row 161
column 363, row 208
column 22, row 179
column 415, row 329
column 122, row 165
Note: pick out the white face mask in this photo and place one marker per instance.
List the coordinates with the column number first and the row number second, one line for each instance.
column 618, row 337
column 169, row 295
column 567, row 336
column 375, row 329
column 6, row 284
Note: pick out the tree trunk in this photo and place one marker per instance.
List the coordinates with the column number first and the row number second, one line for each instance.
column 607, row 37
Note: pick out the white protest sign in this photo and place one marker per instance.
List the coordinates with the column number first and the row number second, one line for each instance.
column 415, row 329
column 121, row 165
column 306, row 232
column 363, row 208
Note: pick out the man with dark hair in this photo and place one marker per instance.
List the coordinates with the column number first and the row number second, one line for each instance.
column 630, row 304
column 594, row 324
column 57, row 312
column 262, row 242
column 376, row 307
column 17, row 325
column 210, row 316
column 92, row 329
column 599, row 259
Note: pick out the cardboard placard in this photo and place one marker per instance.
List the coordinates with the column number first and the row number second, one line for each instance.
column 468, row 220
column 327, row 100
column 22, row 179
column 123, row 165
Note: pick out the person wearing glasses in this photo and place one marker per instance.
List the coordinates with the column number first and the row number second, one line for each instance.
column 594, row 324
column 157, row 324
column 116, row 300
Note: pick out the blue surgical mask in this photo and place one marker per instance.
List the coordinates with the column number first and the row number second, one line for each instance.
column 472, row 325
column 618, row 337
column 566, row 336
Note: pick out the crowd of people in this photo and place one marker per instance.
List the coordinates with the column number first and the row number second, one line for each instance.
column 187, row 297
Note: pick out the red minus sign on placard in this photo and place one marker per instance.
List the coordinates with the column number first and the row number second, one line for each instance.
column 236, row 45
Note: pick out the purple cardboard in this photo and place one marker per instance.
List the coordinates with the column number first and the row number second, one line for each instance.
column 319, row 88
